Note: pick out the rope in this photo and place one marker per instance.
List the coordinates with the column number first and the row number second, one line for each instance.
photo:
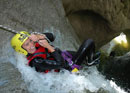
column 41, row 34
column 15, row 32
column 8, row 29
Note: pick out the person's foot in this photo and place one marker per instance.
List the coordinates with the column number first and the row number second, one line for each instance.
column 96, row 56
column 94, row 62
column 95, row 59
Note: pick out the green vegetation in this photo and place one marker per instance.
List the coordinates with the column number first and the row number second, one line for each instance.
column 104, row 57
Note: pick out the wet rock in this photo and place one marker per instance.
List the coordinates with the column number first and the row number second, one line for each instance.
column 10, row 80
column 117, row 69
column 40, row 16
column 30, row 15
column 97, row 19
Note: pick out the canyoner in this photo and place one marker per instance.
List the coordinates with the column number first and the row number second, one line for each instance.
column 44, row 57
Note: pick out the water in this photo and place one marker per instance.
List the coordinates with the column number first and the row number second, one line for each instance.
column 3, row 82
column 89, row 79
column 64, row 82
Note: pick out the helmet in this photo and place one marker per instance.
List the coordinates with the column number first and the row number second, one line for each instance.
column 18, row 40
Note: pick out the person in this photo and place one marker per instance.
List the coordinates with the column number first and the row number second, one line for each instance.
column 44, row 57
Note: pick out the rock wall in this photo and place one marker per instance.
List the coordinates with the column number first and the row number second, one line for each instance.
column 118, row 69
column 31, row 15
column 101, row 20
column 40, row 16
column 10, row 80
column 98, row 19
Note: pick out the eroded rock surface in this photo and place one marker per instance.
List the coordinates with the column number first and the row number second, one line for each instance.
column 10, row 79
column 101, row 20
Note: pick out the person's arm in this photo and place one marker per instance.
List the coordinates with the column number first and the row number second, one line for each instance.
column 59, row 59
column 57, row 56
column 41, row 64
column 41, row 39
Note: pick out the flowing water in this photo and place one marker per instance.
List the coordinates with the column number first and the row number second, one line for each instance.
column 64, row 82
column 88, row 80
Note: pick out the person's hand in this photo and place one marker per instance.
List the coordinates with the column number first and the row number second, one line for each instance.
column 33, row 37
column 36, row 37
column 45, row 44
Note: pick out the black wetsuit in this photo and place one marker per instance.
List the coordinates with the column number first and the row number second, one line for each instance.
column 41, row 64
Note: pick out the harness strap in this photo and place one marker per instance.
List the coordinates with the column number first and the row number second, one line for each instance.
column 68, row 57
column 39, row 53
column 47, row 53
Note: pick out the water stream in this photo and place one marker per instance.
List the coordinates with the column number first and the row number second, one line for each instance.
column 64, row 82
column 87, row 80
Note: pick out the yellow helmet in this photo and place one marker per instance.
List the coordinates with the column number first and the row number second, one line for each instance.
column 18, row 40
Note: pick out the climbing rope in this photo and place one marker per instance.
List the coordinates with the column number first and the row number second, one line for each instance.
column 8, row 29
column 15, row 32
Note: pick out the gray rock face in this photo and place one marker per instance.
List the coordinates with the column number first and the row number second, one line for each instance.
column 101, row 20
column 97, row 19
column 39, row 16
column 10, row 80
column 31, row 15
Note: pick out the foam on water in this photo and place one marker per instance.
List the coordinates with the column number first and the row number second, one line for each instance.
column 64, row 82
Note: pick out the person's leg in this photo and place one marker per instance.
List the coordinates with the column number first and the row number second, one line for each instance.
column 87, row 49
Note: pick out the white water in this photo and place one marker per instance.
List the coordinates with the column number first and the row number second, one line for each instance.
column 63, row 82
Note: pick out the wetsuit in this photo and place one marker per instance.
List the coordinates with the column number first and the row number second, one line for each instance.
column 54, row 60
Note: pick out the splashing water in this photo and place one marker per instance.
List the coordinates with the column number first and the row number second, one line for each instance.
column 89, row 79
column 64, row 82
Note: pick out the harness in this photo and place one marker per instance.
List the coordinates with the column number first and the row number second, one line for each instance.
column 45, row 54
column 68, row 57
column 41, row 52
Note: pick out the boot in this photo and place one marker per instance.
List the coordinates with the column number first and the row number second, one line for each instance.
column 94, row 59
